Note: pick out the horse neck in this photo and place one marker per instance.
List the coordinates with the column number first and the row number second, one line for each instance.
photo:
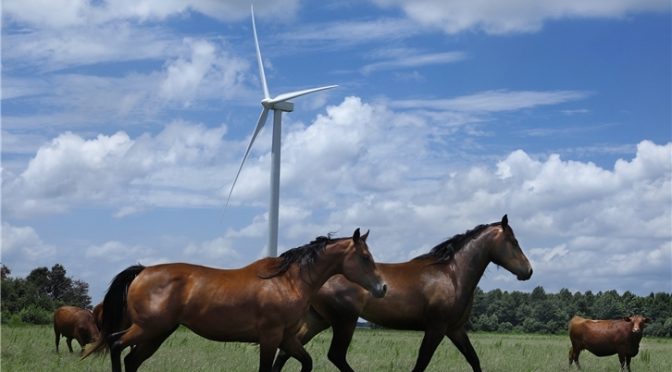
column 327, row 264
column 470, row 263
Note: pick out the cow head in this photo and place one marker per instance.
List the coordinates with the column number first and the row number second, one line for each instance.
column 638, row 322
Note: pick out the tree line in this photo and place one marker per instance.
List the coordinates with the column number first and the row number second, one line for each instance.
column 34, row 298
column 549, row 313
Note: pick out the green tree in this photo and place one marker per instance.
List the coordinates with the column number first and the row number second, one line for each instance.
column 34, row 298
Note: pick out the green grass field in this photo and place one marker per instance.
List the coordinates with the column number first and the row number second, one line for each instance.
column 31, row 348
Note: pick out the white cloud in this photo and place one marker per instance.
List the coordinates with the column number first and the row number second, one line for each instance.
column 114, row 251
column 49, row 50
column 197, row 70
column 23, row 246
column 353, row 32
column 365, row 165
column 208, row 70
column 67, row 13
column 117, row 171
column 494, row 101
column 416, row 60
column 215, row 250
column 502, row 17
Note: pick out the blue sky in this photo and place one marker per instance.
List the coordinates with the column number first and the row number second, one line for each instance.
column 123, row 124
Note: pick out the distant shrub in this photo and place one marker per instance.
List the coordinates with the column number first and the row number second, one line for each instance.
column 35, row 315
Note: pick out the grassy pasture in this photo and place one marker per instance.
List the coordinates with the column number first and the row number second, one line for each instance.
column 31, row 348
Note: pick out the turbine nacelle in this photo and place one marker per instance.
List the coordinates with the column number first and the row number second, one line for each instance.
column 285, row 106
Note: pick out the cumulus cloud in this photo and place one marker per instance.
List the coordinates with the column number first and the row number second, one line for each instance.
column 381, row 174
column 365, row 165
column 111, row 169
column 503, row 17
column 206, row 70
column 23, row 245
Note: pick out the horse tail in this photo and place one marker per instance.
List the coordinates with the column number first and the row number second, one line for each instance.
column 114, row 316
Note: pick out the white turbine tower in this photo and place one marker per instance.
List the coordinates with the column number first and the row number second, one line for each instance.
column 278, row 104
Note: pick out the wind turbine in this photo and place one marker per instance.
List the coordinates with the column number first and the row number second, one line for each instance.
column 278, row 104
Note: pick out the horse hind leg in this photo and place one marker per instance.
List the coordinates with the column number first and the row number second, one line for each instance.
column 340, row 341
column 135, row 335
column 143, row 351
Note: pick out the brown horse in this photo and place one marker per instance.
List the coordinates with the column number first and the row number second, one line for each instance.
column 74, row 322
column 263, row 302
column 432, row 293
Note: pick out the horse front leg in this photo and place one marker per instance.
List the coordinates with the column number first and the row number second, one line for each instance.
column 295, row 349
column 430, row 342
column 268, row 347
column 314, row 323
column 461, row 340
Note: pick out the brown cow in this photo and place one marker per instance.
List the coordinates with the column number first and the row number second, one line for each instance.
column 606, row 337
column 74, row 322
column 98, row 315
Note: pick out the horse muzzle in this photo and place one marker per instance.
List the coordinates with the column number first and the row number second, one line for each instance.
column 525, row 276
column 379, row 290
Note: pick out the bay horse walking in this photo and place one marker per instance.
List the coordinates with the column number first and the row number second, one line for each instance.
column 75, row 322
column 432, row 293
column 263, row 302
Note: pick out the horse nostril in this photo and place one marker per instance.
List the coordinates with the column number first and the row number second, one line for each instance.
column 384, row 289
column 531, row 271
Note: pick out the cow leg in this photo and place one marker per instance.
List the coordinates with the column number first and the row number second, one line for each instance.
column 627, row 362
column 58, row 338
column 68, row 340
column 430, row 342
column 574, row 352
column 621, row 358
column 461, row 340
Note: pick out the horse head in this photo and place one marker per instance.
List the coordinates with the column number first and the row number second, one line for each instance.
column 507, row 253
column 359, row 266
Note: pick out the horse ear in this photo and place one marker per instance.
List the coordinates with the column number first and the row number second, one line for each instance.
column 505, row 221
column 365, row 236
column 627, row 319
column 356, row 236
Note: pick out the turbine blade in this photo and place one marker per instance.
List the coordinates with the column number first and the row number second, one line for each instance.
column 262, row 75
column 290, row 95
column 260, row 124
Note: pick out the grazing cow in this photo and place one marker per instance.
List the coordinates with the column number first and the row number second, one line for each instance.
column 98, row 315
column 74, row 322
column 606, row 337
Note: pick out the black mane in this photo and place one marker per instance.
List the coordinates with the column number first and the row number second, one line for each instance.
column 445, row 251
column 303, row 255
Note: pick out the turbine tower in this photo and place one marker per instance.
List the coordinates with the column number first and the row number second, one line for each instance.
column 278, row 104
